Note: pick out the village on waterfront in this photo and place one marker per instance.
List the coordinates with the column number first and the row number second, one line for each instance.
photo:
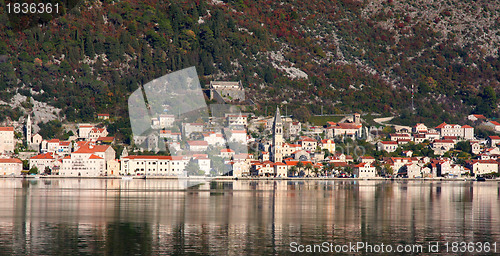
column 241, row 144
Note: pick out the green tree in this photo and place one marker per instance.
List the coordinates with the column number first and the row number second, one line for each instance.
column 33, row 170
column 293, row 171
column 487, row 102
column 309, row 167
column 192, row 168
column 300, row 165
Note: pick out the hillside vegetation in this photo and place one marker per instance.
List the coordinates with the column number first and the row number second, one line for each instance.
column 344, row 55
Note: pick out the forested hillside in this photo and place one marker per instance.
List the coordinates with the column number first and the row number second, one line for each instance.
column 344, row 55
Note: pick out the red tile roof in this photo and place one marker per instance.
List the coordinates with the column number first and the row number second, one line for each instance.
column 389, row 142
column 10, row 160
column 495, row 123
column 6, row 129
column 149, row 157
column 197, row 143
column 43, row 156
column 440, row 126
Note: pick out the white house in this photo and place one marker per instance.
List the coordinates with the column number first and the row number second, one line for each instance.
column 328, row 144
column 95, row 133
column 7, row 140
column 494, row 125
column 197, row 145
column 476, row 117
column 166, row 121
column 203, row 162
column 493, row 141
column 84, row 130
column 238, row 136
column 419, row 128
column 233, row 119
column 214, row 138
column 10, row 166
column 389, row 146
column 365, row 170
column 308, row 144
column 480, row 167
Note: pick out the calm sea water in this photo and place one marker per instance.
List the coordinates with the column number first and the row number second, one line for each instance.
column 155, row 217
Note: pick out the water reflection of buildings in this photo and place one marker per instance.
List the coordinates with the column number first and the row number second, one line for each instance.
column 244, row 217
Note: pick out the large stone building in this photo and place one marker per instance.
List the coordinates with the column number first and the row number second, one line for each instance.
column 153, row 165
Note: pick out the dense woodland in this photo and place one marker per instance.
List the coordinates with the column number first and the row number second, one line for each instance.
column 89, row 60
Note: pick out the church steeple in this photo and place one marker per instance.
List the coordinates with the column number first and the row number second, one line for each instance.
column 277, row 155
column 28, row 130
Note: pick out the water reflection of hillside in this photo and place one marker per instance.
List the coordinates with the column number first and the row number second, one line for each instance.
column 254, row 217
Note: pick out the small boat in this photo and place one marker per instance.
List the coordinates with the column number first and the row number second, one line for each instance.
column 126, row 177
column 480, row 178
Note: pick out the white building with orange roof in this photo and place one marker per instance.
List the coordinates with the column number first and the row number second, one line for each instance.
column 389, row 146
column 262, row 169
column 264, row 156
column 103, row 116
column 11, row 166
column 366, row 159
column 288, row 149
column 169, row 135
column 235, row 119
column 238, row 136
column 481, row 167
column 52, row 146
column 328, row 144
column 240, row 168
column 214, row 138
column 95, row 133
column 42, row 161
column 197, row 145
column 466, row 131
column 80, row 164
column 154, row 165
column 166, row 120
column 308, row 143
column 476, row 117
column 419, row 128
column 226, row 153
column 280, row 169
column 441, row 146
column 188, row 128
column 344, row 129
column 87, row 161
column 365, row 170
column 203, row 162
column 400, row 136
column 493, row 141
column 475, row 147
column 7, row 139
column 84, row 130
column 292, row 128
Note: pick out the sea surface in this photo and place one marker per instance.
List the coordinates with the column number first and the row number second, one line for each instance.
column 158, row 217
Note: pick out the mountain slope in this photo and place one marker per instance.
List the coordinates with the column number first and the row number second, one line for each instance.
column 343, row 55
